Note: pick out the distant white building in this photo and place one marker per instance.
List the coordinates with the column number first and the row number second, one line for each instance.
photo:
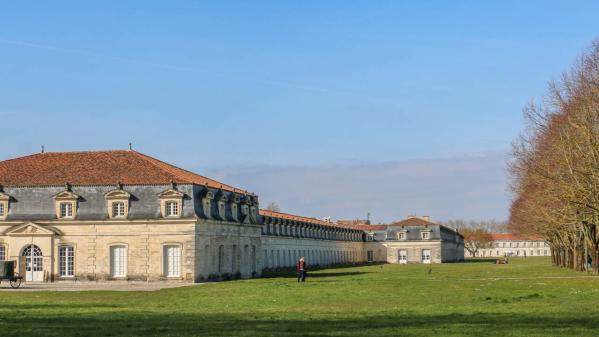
column 513, row 245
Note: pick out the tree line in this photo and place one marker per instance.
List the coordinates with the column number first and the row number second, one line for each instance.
column 555, row 166
column 477, row 234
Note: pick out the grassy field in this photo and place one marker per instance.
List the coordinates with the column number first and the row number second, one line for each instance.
column 524, row 298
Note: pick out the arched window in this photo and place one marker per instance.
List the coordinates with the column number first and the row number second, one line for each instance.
column 234, row 260
column 221, row 258
column 253, row 262
column 34, row 263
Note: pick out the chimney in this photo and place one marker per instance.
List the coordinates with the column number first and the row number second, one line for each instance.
column 426, row 218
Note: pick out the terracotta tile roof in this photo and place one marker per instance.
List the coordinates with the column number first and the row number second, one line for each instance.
column 515, row 237
column 292, row 217
column 371, row 227
column 97, row 168
column 352, row 223
column 413, row 221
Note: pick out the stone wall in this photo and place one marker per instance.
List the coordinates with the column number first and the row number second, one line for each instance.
column 283, row 252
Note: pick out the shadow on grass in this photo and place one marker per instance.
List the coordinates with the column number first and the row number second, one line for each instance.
column 311, row 274
column 483, row 260
column 140, row 323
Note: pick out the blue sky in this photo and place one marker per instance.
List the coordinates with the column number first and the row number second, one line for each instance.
column 317, row 89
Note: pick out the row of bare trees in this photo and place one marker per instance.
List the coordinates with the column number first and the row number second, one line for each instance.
column 555, row 167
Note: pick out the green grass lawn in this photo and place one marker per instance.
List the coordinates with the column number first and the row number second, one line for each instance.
column 524, row 298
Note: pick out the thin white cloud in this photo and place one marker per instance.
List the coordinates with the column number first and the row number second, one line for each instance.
column 462, row 187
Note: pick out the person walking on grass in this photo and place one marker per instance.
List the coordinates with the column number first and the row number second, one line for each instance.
column 589, row 263
column 301, row 269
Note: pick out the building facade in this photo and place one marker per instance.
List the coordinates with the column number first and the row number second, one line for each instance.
column 505, row 244
column 287, row 237
column 122, row 215
column 413, row 240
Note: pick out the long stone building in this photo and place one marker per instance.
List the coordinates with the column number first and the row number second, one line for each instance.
column 507, row 244
column 122, row 215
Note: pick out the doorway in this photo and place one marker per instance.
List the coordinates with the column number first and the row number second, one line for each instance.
column 34, row 264
column 403, row 256
column 426, row 256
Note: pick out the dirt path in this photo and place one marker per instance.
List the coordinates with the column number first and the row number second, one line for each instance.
column 96, row 286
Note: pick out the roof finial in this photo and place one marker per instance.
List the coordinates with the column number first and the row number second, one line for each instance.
column 67, row 186
column 43, row 149
column 119, row 186
column 130, row 146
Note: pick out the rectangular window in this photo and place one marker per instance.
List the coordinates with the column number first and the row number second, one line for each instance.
column 172, row 208
column 403, row 256
column 2, row 253
column 426, row 256
column 118, row 209
column 426, row 235
column 172, row 261
column 66, row 261
column 66, row 210
column 402, row 235
column 1, row 209
column 118, row 261
column 370, row 254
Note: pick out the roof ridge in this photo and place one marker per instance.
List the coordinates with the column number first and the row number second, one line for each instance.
column 99, row 167
column 83, row 151
column 17, row 158
column 152, row 160
column 305, row 218
column 157, row 162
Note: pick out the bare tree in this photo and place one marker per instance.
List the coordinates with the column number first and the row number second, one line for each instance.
column 555, row 166
column 475, row 239
column 273, row 207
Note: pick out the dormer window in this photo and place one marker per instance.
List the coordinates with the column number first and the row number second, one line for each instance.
column 4, row 200
column 171, row 208
column 171, row 203
column 245, row 216
column 234, row 211
column 207, row 203
column 66, row 210
column 66, row 204
column 117, row 203
column 401, row 235
column 253, row 212
column 222, row 200
column 118, row 209
column 221, row 209
column 425, row 235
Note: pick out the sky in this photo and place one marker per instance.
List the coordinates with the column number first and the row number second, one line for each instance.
column 328, row 108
